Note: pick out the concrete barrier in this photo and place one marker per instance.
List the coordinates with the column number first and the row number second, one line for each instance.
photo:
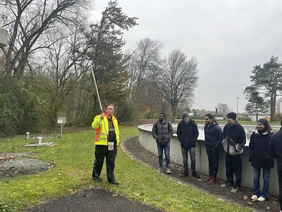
column 148, row 142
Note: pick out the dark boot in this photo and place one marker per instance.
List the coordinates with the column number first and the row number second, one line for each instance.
column 212, row 180
column 184, row 174
column 208, row 179
column 195, row 174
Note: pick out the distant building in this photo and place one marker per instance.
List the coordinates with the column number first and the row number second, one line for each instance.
column 253, row 116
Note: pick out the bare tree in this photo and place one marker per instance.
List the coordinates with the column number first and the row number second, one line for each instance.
column 223, row 108
column 144, row 60
column 27, row 21
column 177, row 80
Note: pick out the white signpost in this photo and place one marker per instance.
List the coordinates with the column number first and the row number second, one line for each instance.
column 62, row 121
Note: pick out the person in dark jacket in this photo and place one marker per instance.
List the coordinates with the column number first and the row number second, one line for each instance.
column 213, row 139
column 187, row 133
column 275, row 150
column 162, row 132
column 235, row 136
column 260, row 158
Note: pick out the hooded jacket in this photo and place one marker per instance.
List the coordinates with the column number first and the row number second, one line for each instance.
column 162, row 132
column 187, row 134
column 213, row 135
column 259, row 150
column 234, row 134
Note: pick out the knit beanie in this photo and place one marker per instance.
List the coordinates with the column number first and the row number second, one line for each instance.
column 184, row 114
column 232, row 115
column 264, row 122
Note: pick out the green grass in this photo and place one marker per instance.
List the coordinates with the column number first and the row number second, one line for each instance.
column 72, row 157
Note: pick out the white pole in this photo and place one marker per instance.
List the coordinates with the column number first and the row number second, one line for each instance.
column 95, row 83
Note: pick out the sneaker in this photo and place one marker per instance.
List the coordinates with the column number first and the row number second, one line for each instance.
column 168, row 171
column 261, row 199
column 235, row 190
column 160, row 169
column 254, row 197
column 227, row 184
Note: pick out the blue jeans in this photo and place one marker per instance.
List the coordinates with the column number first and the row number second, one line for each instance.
column 192, row 151
column 266, row 182
column 166, row 149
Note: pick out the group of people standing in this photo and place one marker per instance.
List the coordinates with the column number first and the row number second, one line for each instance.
column 263, row 147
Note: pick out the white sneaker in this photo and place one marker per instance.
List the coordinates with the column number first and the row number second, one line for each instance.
column 254, row 197
column 235, row 190
column 168, row 171
column 261, row 199
column 160, row 169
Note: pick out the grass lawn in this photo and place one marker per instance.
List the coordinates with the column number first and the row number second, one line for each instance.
column 73, row 157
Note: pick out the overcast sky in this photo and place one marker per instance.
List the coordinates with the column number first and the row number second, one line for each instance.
column 228, row 38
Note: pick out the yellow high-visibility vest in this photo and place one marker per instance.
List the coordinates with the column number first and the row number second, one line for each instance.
column 102, row 129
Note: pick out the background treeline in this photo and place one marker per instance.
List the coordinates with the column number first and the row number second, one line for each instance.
column 46, row 68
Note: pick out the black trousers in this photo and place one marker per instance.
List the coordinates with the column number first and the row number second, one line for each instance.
column 280, row 187
column 233, row 165
column 213, row 157
column 101, row 152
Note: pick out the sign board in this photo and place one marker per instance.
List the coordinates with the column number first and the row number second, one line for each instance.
column 3, row 37
column 61, row 120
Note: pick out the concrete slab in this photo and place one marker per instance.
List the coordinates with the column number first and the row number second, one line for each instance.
column 48, row 144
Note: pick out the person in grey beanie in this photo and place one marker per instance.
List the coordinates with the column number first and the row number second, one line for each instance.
column 234, row 137
column 187, row 134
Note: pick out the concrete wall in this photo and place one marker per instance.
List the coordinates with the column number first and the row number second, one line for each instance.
column 3, row 37
column 147, row 142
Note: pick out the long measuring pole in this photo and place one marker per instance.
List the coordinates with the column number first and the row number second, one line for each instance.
column 95, row 83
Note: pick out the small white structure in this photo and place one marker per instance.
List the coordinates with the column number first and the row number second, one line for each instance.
column 39, row 143
column 3, row 37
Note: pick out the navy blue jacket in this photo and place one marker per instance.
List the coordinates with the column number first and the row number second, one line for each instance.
column 275, row 149
column 187, row 133
column 213, row 135
column 259, row 150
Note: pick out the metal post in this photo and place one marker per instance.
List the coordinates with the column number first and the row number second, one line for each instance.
column 27, row 136
column 237, row 104
column 39, row 140
column 61, row 130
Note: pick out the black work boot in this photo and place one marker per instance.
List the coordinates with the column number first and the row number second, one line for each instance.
column 184, row 174
column 195, row 174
